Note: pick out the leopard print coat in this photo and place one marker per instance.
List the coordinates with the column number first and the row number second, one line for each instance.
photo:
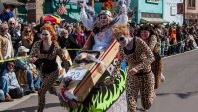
column 36, row 52
column 141, row 59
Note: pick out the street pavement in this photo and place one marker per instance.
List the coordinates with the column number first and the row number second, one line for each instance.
column 179, row 92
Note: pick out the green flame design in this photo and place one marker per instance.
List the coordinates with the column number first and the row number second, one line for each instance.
column 105, row 97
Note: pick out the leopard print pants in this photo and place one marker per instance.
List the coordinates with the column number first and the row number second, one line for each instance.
column 144, row 84
column 47, row 85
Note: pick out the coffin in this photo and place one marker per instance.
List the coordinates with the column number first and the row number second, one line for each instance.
column 80, row 88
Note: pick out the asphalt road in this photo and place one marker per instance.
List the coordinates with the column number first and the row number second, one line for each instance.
column 179, row 92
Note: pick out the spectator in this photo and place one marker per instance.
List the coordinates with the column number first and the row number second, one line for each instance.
column 28, row 37
column 9, row 83
column 70, row 30
column 24, row 74
column 18, row 28
column 165, row 43
column 180, row 38
column 79, row 36
column 7, row 48
column 7, row 14
column 33, row 24
column 66, row 41
column 2, row 96
column 1, row 46
column 62, row 23
column 56, row 29
column 173, row 40
column 15, row 38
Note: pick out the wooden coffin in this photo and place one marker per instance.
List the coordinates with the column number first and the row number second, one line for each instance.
column 81, row 88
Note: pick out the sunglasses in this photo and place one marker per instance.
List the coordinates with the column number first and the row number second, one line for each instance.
column 12, row 23
column 121, row 39
column 104, row 17
column 28, row 31
column 44, row 34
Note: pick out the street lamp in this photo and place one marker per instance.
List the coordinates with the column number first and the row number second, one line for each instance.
column 62, row 1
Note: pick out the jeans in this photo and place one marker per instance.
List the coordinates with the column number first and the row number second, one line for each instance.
column 2, row 95
column 173, row 49
column 30, row 80
column 37, row 82
column 179, row 47
column 4, row 84
column 162, row 48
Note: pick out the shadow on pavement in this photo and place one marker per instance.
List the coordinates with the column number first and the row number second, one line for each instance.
column 180, row 95
column 32, row 109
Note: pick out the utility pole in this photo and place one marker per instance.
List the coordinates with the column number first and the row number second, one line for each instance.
column 184, row 12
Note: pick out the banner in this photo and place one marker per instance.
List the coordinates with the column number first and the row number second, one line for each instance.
column 180, row 8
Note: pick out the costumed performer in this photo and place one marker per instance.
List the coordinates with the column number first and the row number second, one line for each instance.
column 149, row 37
column 44, row 53
column 101, row 24
column 140, row 77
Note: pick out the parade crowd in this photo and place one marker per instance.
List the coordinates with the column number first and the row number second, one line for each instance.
column 20, row 77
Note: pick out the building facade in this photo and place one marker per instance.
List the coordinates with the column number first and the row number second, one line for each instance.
column 191, row 11
column 38, row 8
column 148, row 11
column 172, row 11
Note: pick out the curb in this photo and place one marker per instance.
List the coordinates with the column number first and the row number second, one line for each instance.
column 6, row 105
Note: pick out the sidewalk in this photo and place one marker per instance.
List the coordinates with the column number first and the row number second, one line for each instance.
column 6, row 105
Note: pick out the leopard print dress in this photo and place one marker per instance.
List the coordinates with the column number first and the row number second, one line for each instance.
column 48, row 67
column 143, row 81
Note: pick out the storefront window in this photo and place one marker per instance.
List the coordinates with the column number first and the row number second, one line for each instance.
column 191, row 4
column 152, row 1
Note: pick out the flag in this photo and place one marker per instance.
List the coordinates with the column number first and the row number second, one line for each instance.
column 61, row 10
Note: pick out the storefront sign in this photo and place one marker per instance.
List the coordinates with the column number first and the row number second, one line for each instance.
column 30, row 6
column 173, row 10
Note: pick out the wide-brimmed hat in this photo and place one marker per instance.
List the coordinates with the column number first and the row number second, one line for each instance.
column 23, row 49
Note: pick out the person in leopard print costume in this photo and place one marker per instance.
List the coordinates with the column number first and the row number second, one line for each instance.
column 149, row 37
column 43, row 54
column 140, row 77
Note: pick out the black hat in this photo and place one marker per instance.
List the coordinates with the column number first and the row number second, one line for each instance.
column 145, row 27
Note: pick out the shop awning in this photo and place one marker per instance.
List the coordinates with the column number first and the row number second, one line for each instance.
column 12, row 2
column 153, row 20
